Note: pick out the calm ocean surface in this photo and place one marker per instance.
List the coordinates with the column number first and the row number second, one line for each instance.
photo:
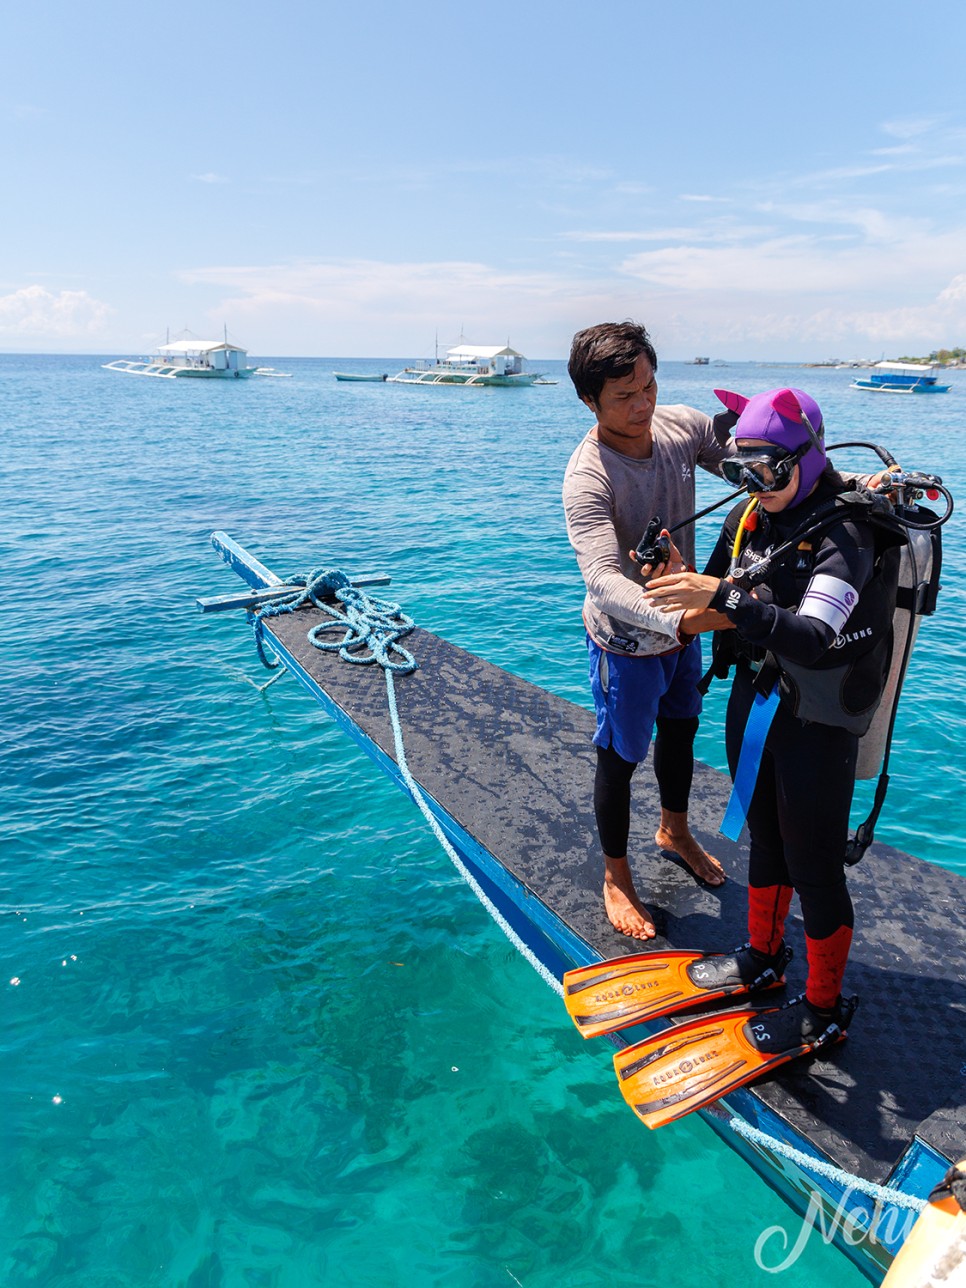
column 256, row 1029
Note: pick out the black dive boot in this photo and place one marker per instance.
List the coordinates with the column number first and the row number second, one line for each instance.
column 800, row 1024
column 744, row 970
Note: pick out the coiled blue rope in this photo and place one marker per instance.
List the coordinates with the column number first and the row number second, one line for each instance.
column 371, row 628
column 372, row 631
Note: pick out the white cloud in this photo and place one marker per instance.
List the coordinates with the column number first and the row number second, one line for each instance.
column 793, row 296
column 34, row 311
column 874, row 224
column 652, row 234
column 908, row 158
column 911, row 127
column 373, row 307
column 781, row 265
column 838, row 173
column 711, row 232
column 901, row 259
column 955, row 292
column 849, row 325
column 369, row 289
column 210, row 177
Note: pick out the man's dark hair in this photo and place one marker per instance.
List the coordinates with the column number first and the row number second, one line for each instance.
column 607, row 351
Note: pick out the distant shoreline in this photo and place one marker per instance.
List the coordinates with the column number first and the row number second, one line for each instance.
column 951, row 364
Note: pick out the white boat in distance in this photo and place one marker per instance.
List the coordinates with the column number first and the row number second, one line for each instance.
column 470, row 364
column 203, row 359
column 902, row 378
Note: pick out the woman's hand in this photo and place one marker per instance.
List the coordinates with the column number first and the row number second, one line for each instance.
column 681, row 590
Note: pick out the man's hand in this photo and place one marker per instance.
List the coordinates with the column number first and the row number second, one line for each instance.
column 696, row 621
column 880, row 482
column 673, row 563
column 723, row 424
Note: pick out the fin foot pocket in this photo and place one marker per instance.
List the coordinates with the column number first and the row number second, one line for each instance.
column 612, row 995
column 744, row 970
column 798, row 1024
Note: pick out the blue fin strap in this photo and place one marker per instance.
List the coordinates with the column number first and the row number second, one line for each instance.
column 760, row 716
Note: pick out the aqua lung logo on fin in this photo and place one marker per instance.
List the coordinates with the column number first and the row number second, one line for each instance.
column 624, row 990
column 684, row 1068
column 851, row 637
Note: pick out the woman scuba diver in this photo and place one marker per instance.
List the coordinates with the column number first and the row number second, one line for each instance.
column 803, row 580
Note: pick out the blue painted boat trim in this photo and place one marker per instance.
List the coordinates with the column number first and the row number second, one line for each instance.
column 869, row 1232
column 240, row 560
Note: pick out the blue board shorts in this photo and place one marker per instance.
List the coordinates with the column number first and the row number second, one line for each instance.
column 631, row 692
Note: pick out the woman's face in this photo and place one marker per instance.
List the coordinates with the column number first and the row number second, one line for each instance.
column 772, row 502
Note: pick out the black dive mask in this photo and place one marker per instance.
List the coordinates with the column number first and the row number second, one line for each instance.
column 762, row 469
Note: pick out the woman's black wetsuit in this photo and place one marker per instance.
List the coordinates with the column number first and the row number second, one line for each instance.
column 832, row 658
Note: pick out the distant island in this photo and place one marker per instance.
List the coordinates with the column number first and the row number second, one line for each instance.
column 945, row 358
column 938, row 357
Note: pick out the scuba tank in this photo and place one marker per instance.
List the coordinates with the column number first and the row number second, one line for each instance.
column 920, row 560
column 920, row 565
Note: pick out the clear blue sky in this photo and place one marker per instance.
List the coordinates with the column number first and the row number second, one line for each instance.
column 749, row 179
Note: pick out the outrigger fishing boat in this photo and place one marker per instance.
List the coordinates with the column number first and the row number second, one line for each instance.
column 198, row 359
column 854, row 1139
column 195, row 359
column 902, row 378
column 470, row 364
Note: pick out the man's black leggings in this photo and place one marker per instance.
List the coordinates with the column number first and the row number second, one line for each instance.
column 673, row 768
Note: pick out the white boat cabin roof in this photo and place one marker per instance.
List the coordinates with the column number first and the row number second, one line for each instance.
column 200, row 346
column 909, row 368
column 482, row 351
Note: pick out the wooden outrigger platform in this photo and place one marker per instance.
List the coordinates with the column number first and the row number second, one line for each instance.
column 507, row 769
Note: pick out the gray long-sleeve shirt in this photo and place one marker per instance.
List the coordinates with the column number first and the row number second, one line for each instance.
column 609, row 499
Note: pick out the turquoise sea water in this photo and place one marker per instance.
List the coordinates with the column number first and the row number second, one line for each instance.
column 256, row 1029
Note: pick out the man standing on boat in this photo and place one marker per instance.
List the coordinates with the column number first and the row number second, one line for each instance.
column 637, row 461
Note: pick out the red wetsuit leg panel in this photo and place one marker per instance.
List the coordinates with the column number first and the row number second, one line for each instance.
column 827, row 959
column 767, row 910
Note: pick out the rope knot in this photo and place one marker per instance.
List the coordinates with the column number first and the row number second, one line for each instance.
column 307, row 588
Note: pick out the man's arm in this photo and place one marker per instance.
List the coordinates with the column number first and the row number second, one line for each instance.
column 619, row 594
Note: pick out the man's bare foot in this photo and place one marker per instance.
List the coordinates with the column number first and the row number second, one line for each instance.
column 675, row 835
column 624, row 910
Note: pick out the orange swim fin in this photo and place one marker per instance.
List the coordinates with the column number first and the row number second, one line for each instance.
column 611, row 995
column 691, row 1065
